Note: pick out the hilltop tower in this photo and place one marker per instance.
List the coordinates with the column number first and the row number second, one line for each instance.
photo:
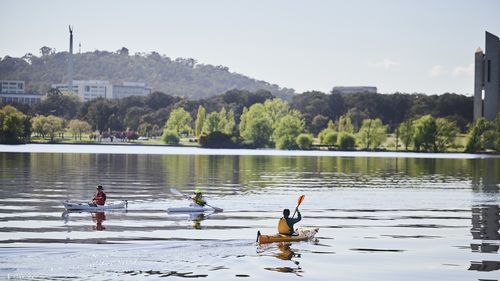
column 487, row 79
column 70, row 60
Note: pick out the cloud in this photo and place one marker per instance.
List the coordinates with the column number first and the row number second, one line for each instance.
column 463, row 70
column 437, row 71
column 385, row 63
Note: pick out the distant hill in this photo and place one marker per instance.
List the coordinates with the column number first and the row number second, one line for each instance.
column 179, row 77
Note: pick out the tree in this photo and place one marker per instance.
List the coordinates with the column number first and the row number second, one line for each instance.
column 372, row 133
column 213, row 123
column 200, row 121
column 230, row 124
column 329, row 129
column 179, row 121
column 12, row 125
column 406, row 132
column 38, row 124
column 304, row 141
column 330, row 138
column 286, row 131
column 446, row 133
column 170, row 137
column 318, row 123
column 53, row 126
column 276, row 109
column 477, row 135
column 345, row 124
column 424, row 133
column 256, row 125
column 78, row 127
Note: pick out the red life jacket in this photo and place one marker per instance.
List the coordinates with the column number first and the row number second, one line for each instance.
column 100, row 198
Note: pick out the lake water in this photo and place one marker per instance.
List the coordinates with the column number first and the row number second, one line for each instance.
column 382, row 216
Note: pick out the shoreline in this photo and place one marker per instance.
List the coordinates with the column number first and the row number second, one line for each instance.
column 152, row 149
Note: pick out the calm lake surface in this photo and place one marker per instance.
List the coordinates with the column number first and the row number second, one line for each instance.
column 382, row 216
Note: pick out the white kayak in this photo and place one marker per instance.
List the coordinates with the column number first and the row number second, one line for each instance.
column 87, row 207
column 194, row 208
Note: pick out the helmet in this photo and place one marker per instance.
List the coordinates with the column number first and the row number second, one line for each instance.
column 197, row 191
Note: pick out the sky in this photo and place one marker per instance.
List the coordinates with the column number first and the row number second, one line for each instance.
column 423, row 46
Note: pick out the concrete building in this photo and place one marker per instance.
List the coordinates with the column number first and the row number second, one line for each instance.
column 128, row 89
column 12, row 91
column 92, row 89
column 11, row 86
column 355, row 89
column 487, row 79
column 88, row 89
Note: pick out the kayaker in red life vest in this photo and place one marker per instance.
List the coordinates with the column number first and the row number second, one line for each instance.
column 99, row 197
column 285, row 225
column 198, row 198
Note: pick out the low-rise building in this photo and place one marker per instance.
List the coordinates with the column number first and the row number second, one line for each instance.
column 12, row 91
column 354, row 89
column 92, row 89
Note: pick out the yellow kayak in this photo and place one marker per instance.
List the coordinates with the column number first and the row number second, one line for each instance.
column 303, row 234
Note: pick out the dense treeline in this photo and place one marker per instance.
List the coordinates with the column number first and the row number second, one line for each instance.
column 258, row 119
column 177, row 77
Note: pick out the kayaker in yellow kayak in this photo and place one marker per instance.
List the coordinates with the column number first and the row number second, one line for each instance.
column 285, row 225
column 198, row 198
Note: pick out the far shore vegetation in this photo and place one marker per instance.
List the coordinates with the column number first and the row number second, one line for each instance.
column 242, row 119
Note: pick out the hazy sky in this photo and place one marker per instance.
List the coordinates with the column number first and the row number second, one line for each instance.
column 407, row 46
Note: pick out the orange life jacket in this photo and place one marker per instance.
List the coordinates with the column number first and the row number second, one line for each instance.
column 100, row 198
column 284, row 228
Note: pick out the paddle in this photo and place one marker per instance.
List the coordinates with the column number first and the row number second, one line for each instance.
column 177, row 192
column 301, row 198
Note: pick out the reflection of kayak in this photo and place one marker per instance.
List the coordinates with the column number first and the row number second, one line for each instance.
column 303, row 234
column 86, row 207
column 190, row 209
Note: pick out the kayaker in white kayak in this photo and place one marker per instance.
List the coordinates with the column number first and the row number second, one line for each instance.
column 285, row 225
column 198, row 198
column 99, row 197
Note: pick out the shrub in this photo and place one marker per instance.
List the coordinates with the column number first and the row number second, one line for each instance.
column 346, row 141
column 170, row 137
column 304, row 141
column 330, row 138
column 216, row 140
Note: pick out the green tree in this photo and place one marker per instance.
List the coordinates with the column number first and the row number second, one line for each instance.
column 170, row 137
column 330, row 138
column 230, row 124
column 78, row 127
column 345, row 123
column 304, row 141
column 200, row 121
column 406, row 132
column 276, row 109
column 179, row 121
column 346, row 141
column 213, row 123
column 372, row 133
column 256, row 125
column 446, row 133
column 12, row 128
column 424, row 133
column 54, row 126
column 477, row 135
column 286, row 131
column 38, row 125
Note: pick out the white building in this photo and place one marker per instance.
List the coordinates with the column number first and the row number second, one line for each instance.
column 355, row 89
column 11, row 86
column 92, row 89
column 128, row 89
column 13, row 92
column 88, row 89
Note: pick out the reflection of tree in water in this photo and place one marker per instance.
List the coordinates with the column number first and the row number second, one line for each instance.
column 287, row 254
column 485, row 175
column 485, row 226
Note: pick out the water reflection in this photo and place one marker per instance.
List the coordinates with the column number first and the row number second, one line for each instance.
column 485, row 226
column 98, row 218
column 197, row 219
column 286, row 253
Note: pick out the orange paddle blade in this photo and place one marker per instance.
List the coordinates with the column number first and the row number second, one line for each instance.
column 301, row 198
